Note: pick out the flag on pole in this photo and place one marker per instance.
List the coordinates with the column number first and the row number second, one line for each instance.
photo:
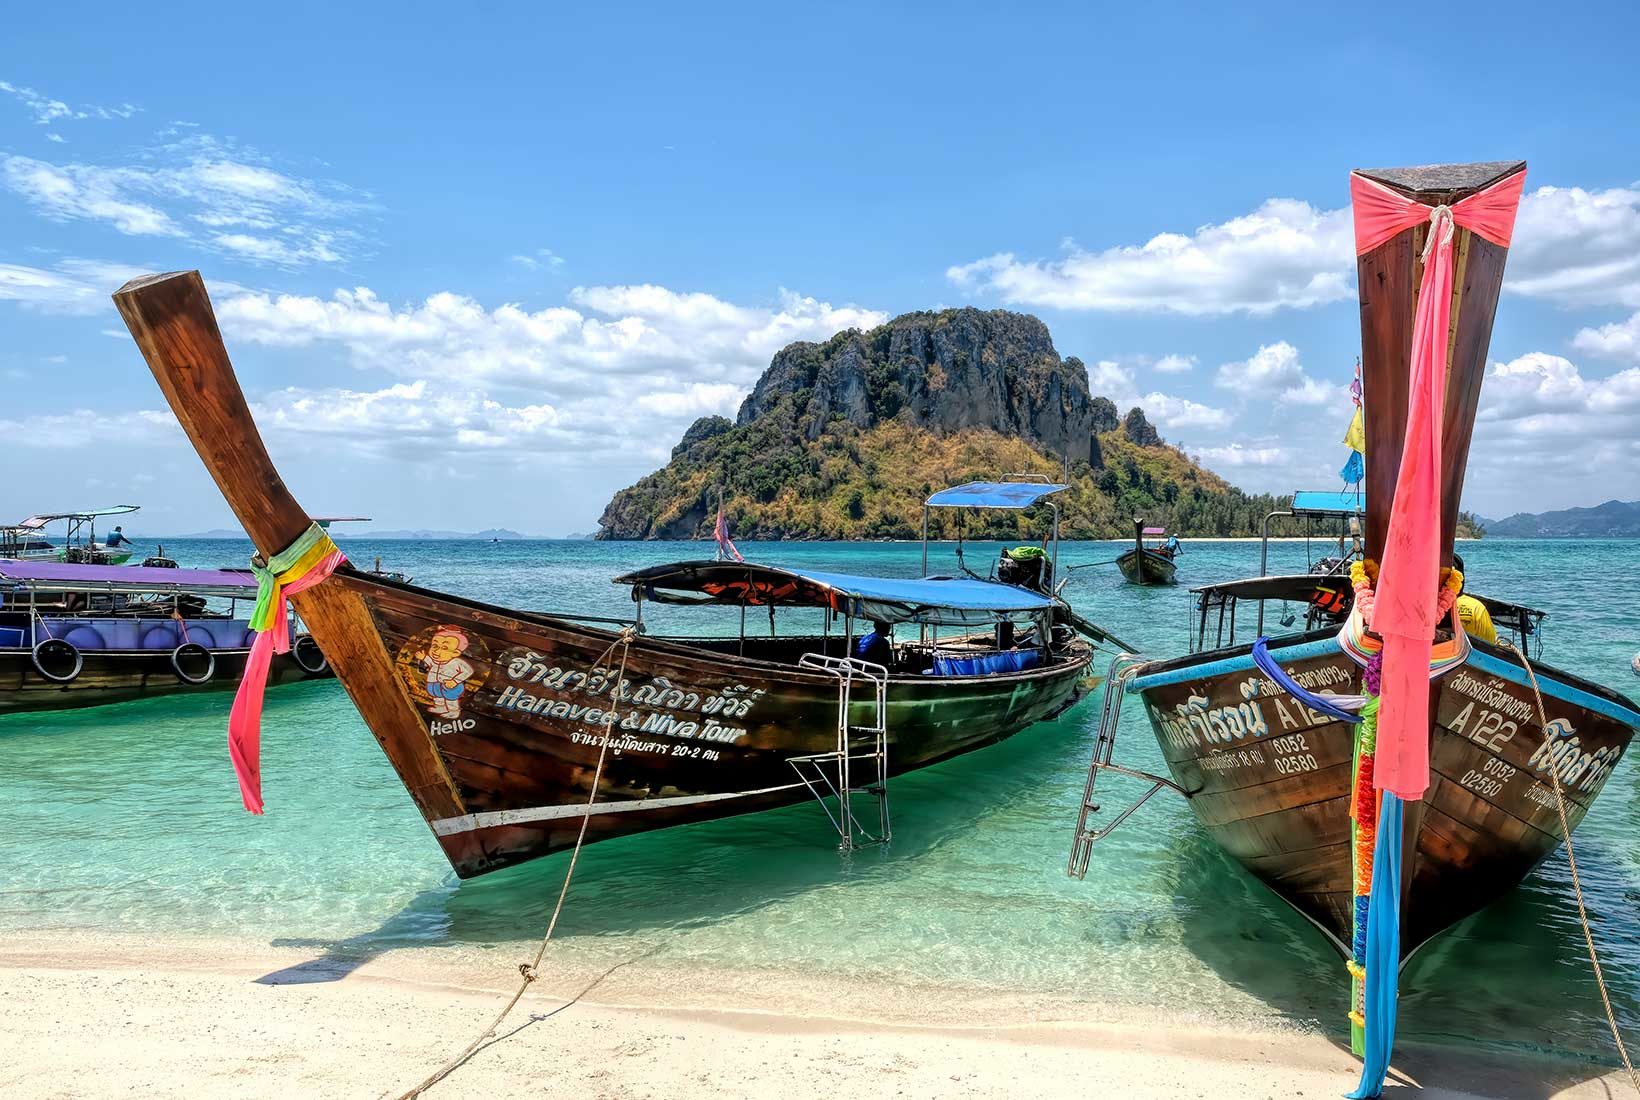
column 726, row 545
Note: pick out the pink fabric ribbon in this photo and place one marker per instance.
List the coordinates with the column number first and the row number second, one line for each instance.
column 245, row 720
column 1405, row 610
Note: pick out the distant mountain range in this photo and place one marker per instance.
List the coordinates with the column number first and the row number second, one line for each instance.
column 1613, row 519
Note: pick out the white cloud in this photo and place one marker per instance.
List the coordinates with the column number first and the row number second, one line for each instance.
column 1175, row 364
column 214, row 193
column 671, row 337
column 620, row 372
column 1577, row 247
column 48, row 111
column 1178, row 413
column 45, row 109
column 1108, row 378
column 1620, row 340
column 541, row 257
column 1571, row 245
column 81, row 192
column 90, row 428
column 1238, row 456
column 71, row 286
column 1547, row 436
column 1274, row 371
column 1284, row 254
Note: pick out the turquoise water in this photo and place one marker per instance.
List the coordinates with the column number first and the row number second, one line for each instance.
column 127, row 819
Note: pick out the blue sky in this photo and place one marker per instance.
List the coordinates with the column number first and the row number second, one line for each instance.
column 483, row 266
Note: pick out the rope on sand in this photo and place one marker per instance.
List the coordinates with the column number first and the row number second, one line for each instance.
column 1571, row 860
column 528, row 972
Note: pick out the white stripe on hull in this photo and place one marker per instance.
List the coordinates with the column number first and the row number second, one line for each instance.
column 449, row 826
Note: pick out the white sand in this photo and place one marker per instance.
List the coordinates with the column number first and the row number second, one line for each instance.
column 84, row 1017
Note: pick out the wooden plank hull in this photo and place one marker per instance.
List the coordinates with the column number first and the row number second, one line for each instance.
column 700, row 733
column 1271, row 778
column 1147, row 568
column 120, row 677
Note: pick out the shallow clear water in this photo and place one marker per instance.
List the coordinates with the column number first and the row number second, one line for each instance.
column 127, row 819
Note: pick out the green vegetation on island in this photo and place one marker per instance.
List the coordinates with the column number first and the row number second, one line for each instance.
column 845, row 439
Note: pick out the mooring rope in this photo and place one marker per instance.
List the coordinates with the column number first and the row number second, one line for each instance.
column 528, row 972
column 1571, row 861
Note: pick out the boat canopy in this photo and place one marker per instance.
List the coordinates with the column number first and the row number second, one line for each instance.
column 939, row 601
column 993, row 494
column 1327, row 503
column 130, row 579
column 1155, row 530
column 34, row 523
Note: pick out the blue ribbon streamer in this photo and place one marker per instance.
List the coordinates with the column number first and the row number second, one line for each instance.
column 1383, row 950
column 1267, row 665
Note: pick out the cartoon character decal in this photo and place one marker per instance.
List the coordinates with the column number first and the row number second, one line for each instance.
column 440, row 665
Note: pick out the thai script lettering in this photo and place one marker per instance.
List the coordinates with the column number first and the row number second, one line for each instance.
column 1194, row 724
column 1563, row 753
column 1491, row 694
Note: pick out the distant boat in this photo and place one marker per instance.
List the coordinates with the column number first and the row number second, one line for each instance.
column 515, row 731
column 1149, row 564
column 74, row 635
column 26, row 540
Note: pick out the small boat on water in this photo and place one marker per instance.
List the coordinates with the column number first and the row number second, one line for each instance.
column 28, row 541
column 1280, row 744
column 1153, row 564
column 86, row 635
column 517, row 732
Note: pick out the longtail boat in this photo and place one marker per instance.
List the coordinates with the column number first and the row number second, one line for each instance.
column 26, row 540
column 89, row 635
column 1266, row 737
column 1149, row 564
column 516, row 733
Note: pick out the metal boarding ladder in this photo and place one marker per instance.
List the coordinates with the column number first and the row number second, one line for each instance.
column 1122, row 670
column 859, row 764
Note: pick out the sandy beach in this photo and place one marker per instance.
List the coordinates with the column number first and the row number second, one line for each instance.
column 94, row 1016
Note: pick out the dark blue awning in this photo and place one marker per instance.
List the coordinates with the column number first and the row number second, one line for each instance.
column 943, row 601
column 993, row 494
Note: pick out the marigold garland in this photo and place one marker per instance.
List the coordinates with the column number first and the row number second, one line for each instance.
column 1364, row 579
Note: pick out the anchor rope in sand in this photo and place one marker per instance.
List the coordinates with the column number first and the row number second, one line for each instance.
column 529, row 972
column 1571, row 861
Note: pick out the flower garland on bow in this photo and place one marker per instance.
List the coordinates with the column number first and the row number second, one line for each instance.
column 1364, row 579
column 1363, row 796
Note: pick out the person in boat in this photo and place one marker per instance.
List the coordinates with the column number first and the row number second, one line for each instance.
column 117, row 538
column 1477, row 621
column 877, row 646
column 1171, row 548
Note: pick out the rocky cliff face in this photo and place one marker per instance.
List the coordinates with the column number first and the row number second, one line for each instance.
column 845, row 438
column 943, row 371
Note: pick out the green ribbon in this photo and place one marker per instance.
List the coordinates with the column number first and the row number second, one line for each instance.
column 267, row 574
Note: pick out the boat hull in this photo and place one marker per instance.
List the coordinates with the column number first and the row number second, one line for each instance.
column 1147, row 568
column 121, row 676
column 1270, row 779
column 699, row 732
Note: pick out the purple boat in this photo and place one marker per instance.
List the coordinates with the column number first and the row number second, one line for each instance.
column 86, row 635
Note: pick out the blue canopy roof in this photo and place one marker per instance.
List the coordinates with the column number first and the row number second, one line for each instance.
column 993, row 494
column 1313, row 502
column 953, row 601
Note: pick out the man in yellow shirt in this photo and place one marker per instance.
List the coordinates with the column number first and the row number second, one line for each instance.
column 1477, row 621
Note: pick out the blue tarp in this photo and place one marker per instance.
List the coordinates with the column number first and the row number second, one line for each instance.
column 990, row 664
column 993, row 494
column 944, row 601
column 1316, row 502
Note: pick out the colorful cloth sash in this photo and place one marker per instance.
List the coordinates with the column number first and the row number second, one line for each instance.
column 1354, row 639
column 301, row 565
column 1405, row 618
